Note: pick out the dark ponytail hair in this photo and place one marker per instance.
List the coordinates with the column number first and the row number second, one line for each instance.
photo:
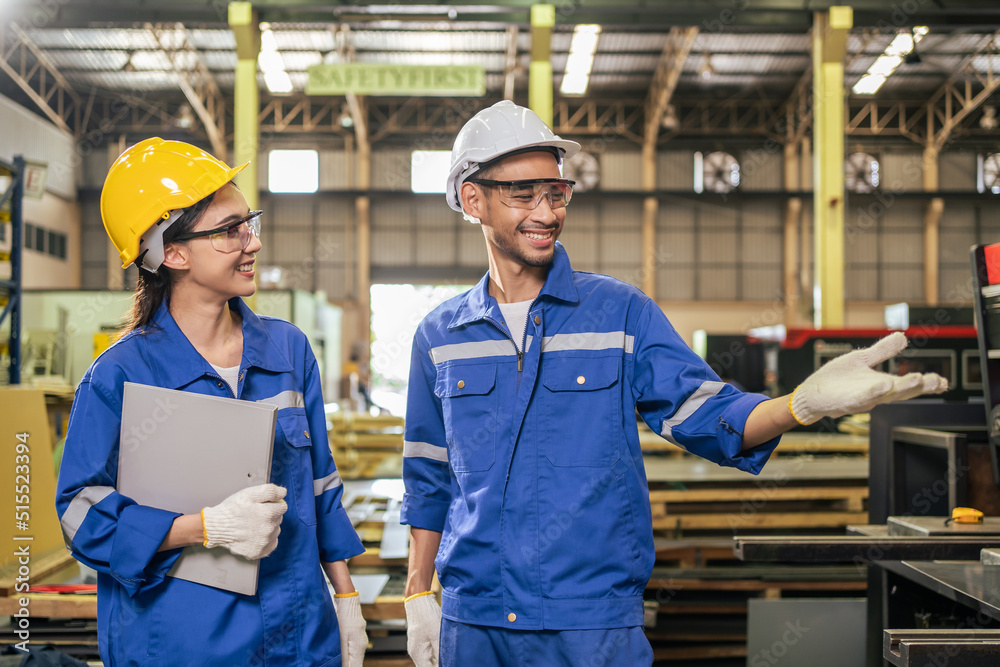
column 153, row 287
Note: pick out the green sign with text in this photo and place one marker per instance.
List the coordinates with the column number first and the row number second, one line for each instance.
column 379, row 79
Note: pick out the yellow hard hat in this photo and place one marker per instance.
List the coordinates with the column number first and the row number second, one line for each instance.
column 151, row 179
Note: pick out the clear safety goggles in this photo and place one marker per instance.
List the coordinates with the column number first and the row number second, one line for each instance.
column 529, row 193
column 231, row 237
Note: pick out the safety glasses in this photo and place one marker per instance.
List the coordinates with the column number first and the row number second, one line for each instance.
column 528, row 193
column 232, row 237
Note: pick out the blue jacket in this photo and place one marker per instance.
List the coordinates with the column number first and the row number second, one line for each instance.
column 529, row 464
column 147, row 618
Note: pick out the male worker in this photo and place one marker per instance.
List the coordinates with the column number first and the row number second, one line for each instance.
column 523, row 471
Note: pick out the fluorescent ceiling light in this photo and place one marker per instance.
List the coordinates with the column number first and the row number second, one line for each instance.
column 580, row 59
column 885, row 65
column 893, row 56
column 271, row 64
column 278, row 82
column 868, row 84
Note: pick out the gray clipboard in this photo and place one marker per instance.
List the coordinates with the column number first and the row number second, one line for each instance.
column 182, row 451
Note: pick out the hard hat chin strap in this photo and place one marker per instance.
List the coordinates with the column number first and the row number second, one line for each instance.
column 151, row 243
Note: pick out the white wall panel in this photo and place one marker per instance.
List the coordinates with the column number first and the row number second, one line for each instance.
column 392, row 238
column 762, row 247
column 718, row 283
column 761, row 168
column 861, row 284
column 675, row 284
column 292, row 246
column 580, row 234
column 391, row 169
column 288, row 211
column 334, row 280
column 25, row 133
column 676, row 245
column 989, row 223
column 761, row 283
column 334, row 172
column 901, row 171
column 621, row 169
column 619, row 214
column 902, row 247
column 902, row 284
column 471, row 245
column 957, row 170
column 621, row 247
column 675, row 170
column 861, row 248
column 763, row 215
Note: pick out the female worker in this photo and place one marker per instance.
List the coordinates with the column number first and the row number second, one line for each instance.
column 173, row 210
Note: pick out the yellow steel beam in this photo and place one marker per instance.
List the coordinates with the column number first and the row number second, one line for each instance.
column 246, row 105
column 543, row 19
column 829, row 42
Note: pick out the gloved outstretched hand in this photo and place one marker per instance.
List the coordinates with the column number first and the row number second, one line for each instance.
column 247, row 522
column 353, row 639
column 423, row 629
column 848, row 384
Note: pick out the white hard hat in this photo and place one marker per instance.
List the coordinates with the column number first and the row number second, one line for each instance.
column 494, row 132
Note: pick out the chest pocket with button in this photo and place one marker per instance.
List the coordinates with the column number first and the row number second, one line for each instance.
column 581, row 410
column 469, row 407
column 293, row 464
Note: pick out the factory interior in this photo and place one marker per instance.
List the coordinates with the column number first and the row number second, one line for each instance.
column 787, row 181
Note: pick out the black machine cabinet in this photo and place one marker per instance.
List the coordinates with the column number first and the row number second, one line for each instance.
column 986, row 279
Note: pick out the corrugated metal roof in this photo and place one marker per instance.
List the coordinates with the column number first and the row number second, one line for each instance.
column 489, row 60
column 213, row 39
column 93, row 38
column 408, row 40
column 304, row 40
column 300, row 60
column 615, row 63
column 88, row 60
column 750, row 43
column 724, row 63
column 624, row 63
column 149, row 81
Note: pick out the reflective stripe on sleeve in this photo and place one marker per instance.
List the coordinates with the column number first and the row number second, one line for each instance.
column 74, row 515
column 425, row 450
column 286, row 399
column 706, row 391
column 331, row 481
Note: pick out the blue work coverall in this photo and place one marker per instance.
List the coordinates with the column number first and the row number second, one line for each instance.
column 147, row 618
column 529, row 463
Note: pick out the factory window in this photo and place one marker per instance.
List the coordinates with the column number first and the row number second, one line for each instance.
column 293, row 171
column 40, row 239
column 29, row 236
column 429, row 171
column 396, row 311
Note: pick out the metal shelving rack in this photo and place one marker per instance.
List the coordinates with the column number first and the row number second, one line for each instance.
column 10, row 289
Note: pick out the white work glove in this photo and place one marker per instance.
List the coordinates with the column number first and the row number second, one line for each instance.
column 353, row 639
column 848, row 384
column 423, row 629
column 247, row 522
